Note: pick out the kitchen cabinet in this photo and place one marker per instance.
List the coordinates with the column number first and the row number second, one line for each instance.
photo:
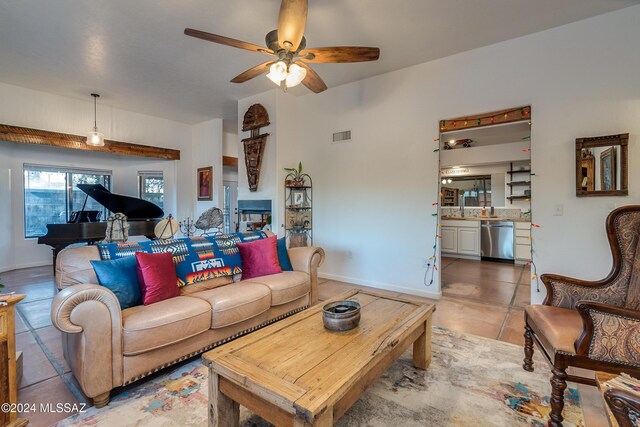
column 468, row 241
column 460, row 237
column 522, row 247
column 449, row 241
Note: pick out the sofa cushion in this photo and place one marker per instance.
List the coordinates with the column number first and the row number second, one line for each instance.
column 286, row 286
column 560, row 327
column 147, row 327
column 206, row 285
column 235, row 303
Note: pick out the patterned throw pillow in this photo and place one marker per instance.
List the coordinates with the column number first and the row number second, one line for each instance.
column 196, row 259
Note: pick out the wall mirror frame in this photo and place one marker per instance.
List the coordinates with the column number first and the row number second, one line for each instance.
column 607, row 172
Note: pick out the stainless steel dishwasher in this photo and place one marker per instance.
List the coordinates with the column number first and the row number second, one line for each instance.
column 496, row 240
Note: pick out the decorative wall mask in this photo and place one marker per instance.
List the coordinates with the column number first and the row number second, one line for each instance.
column 255, row 118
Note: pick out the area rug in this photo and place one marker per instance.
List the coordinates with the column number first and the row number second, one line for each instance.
column 472, row 381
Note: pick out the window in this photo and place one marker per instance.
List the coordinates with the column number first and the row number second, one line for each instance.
column 151, row 187
column 50, row 195
column 473, row 190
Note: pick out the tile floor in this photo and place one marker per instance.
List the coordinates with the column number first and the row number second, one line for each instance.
column 480, row 298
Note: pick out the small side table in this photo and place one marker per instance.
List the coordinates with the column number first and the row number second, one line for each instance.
column 623, row 407
column 8, row 372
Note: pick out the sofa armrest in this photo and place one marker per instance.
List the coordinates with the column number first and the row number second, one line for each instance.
column 610, row 333
column 308, row 259
column 91, row 321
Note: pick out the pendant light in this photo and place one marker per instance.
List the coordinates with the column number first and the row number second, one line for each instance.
column 95, row 138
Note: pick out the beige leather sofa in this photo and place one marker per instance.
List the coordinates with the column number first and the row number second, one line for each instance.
column 107, row 347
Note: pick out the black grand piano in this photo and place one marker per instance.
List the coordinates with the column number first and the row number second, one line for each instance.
column 142, row 216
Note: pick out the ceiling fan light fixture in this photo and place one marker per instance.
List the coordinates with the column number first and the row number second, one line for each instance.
column 296, row 75
column 94, row 137
column 277, row 72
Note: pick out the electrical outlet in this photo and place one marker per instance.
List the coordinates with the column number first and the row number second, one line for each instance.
column 349, row 254
column 558, row 210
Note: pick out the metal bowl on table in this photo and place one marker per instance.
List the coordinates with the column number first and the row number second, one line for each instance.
column 341, row 315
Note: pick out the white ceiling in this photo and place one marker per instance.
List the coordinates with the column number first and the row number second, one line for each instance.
column 135, row 55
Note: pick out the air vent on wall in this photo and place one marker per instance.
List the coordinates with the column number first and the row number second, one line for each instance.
column 342, row 136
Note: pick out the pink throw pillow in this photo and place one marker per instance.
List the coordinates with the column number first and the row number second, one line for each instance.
column 259, row 258
column 157, row 275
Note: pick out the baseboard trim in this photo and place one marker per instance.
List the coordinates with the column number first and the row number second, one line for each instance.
column 21, row 266
column 383, row 286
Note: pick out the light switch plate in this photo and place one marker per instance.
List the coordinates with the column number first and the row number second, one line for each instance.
column 558, row 210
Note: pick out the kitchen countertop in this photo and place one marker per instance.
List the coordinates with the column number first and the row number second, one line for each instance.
column 483, row 218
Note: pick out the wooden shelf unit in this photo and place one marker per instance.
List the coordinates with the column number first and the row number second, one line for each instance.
column 449, row 196
column 522, row 183
column 298, row 219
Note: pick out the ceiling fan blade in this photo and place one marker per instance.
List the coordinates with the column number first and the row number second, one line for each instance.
column 252, row 72
column 339, row 54
column 227, row 41
column 312, row 80
column 291, row 23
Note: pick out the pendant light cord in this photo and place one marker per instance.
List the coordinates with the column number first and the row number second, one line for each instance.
column 95, row 111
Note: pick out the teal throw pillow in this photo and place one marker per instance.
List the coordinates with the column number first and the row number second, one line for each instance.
column 121, row 277
column 283, row 255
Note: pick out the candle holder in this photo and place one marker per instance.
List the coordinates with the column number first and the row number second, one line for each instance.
column 187, row 227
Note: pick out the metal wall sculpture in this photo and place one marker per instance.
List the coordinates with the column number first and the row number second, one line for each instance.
column 255, row 118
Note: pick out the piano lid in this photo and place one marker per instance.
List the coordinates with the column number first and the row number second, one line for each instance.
column 132, row 207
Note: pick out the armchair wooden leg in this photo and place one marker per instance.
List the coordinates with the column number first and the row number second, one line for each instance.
column 558, row 386
column 528, row 349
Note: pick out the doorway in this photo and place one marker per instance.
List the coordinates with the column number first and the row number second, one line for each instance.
column 485, row 209
column 230, row 209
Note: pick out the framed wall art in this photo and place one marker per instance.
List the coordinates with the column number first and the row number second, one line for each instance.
column 298, row 198
column 205, row 183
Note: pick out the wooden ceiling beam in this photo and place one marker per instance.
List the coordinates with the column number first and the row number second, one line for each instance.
column 75, row 142
column 229, row 161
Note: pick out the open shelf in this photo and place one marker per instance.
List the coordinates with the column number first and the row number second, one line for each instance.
column 516, row 183
column 518, row 197
column 522, row 171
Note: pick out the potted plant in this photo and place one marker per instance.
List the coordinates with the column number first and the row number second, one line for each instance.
column 296, row 174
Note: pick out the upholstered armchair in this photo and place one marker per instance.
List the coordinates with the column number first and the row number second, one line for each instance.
column 591, row 325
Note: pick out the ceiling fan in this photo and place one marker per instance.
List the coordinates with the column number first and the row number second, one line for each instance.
column 287, row 47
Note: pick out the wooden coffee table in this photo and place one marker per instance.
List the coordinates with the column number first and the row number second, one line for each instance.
column 296, row 373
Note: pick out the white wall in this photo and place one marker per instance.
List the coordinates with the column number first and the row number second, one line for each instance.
column 34, row 109
column 373, row 195
column 207, row 145
column 230, row 144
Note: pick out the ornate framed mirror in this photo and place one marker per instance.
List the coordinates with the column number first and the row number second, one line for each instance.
column 602, row 165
